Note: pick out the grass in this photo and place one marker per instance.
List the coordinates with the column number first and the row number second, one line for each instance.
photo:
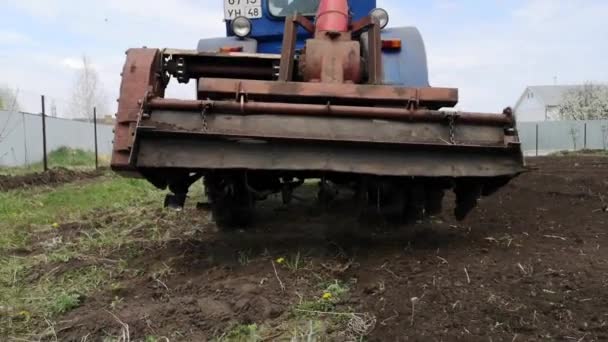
column 331, row 295
column 60, row 246
column 35, row 288
column 63, row 157
column 593, row 153
column 40, row 209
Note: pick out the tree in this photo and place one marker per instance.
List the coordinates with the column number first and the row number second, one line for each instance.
column 8, row 99
column 589, row 102
column 87, row 93
column 9, row 102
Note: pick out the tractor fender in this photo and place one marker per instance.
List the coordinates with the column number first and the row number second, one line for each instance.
column 214, row 44
column 407, row 67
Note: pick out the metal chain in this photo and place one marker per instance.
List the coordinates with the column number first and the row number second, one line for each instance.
column 451, row 121
column 204, row 117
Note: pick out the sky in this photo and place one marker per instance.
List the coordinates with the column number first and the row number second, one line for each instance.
column 489, row 49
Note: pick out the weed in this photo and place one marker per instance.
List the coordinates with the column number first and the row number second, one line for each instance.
column 317, row 305
column 65, row 302
column 155, row 339
column 294, row 263
column 337, row 290
column 333, row 293
column 116, row 302
column 242, row 333
column 244, row 257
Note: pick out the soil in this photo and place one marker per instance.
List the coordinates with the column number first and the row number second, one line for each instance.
column 530, row 264
column 52, row 177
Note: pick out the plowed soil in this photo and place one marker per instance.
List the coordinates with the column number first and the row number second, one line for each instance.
column 530, row 264
column 52, row 177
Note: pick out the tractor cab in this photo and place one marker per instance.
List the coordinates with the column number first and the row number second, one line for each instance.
column 264, row 20
column 258, row 26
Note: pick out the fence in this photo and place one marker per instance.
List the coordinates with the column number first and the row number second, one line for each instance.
column 21, row 135
column 542, row 138
column 22, row 143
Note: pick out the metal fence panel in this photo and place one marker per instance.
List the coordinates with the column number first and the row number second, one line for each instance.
column 21, row 137
column 553, row 136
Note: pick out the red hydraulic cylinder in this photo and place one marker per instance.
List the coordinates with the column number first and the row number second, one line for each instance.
column 332, row 16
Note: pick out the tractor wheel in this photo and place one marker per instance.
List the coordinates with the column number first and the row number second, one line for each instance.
column 232, row 205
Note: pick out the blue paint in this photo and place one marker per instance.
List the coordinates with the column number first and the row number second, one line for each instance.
column 268, row 30
column 407, row 67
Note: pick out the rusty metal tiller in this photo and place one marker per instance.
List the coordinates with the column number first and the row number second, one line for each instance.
column 326, row 106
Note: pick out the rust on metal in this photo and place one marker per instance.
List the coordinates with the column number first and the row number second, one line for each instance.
column 374, row 64
column 356, row 93
column 197, row 154
column 320, row 129
column 288, row 51
column 341, row 65
column 263, row 122
column 403, row 114
column 305, row 23
column 139, row 78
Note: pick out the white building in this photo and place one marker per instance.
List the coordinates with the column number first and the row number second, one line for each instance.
column 541, row 103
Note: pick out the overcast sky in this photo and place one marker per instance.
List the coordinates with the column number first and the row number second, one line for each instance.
column 490, row 49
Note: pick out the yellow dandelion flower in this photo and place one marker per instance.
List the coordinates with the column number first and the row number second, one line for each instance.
column 55, row 225
column 25, row 315
column 327, row 296
column 280, row 260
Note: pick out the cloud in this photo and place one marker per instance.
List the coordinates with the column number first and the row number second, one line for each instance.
column 10, row 37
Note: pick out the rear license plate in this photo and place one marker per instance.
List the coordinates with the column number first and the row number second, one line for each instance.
column 251, row 9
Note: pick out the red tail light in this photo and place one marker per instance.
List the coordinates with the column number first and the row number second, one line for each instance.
column 226, row 49
column 391, row 44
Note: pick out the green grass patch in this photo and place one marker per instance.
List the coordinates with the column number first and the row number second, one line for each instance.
column 22, row 208
column 63, row 157
column 332, row 294
column 35, row 287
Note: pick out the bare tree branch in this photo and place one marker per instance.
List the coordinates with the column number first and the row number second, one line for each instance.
column 8, row 101
column 87, row 93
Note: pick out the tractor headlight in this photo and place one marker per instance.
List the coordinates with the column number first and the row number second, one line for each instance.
column 380, row 15
column 241, row 27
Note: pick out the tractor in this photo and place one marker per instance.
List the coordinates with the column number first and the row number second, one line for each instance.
column 302, row 90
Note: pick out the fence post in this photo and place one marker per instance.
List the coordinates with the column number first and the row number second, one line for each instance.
column 44, row 157
column 585, row 137
column 95, row 133
column 537, row 140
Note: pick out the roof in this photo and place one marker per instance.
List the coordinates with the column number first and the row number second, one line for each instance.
column 550, row 96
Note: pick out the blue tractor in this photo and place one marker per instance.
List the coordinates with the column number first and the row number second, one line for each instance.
column 308, row 89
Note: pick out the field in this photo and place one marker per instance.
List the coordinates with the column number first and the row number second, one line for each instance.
column 95, row 258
